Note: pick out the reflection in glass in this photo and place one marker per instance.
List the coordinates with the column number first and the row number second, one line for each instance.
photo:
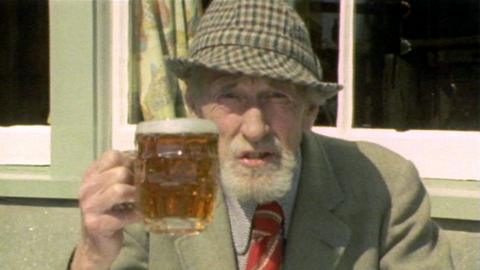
column 322, row 19
column 417, row 64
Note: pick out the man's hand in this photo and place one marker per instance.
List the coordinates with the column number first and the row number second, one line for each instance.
column 107, row 196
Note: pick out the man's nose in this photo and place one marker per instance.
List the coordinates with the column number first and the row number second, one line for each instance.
column 254, row 127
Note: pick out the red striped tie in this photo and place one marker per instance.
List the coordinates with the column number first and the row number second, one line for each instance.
column 266, row 247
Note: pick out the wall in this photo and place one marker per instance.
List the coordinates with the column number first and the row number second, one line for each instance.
column 465, row 240
column 40, row 234
column 37, row 234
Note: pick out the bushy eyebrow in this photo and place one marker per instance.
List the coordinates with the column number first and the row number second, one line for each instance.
column 282, row 85
column 233, row 81
column 224, row 87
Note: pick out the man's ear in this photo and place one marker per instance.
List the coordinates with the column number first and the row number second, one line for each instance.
column 310, row 116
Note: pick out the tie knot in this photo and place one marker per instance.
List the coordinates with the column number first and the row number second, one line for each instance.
column 268, row 218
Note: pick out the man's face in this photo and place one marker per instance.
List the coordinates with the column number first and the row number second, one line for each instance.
column 260, row 123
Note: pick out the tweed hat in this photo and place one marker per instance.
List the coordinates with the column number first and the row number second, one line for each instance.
column 263, row 38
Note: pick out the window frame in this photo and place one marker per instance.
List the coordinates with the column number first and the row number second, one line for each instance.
column 124, row 132
column 421, row 146
column 25, row 144
column 433, row 151
column 450, row 189
column 78, row 107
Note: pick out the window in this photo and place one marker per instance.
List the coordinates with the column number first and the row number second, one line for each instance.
column 323, row 23
column 376, row 38
column 24, row 83
column 24, row 54
column 76, row 108
column 417, row 65
column 441, row 140
column 371, row 106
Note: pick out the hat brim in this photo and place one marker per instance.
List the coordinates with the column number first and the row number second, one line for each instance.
column 254, row 62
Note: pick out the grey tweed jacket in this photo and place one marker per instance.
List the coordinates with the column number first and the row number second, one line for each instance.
column 359, row 206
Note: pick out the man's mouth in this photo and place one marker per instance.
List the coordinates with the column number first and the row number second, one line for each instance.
column 257, row 158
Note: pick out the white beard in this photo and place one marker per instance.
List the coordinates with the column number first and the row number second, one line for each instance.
column 262, row 184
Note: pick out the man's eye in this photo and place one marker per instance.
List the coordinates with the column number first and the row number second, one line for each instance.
column 278, row 96
column 228, row 97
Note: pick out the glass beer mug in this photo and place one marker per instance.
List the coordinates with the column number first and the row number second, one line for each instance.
column 176, row 171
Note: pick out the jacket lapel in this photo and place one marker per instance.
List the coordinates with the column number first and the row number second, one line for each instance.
column 317, row 238
column 211, row 249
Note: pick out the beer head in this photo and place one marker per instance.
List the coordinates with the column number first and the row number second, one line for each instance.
column 177, row 126
column 169, row 137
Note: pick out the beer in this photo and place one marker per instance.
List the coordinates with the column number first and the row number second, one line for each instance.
column 176, row 173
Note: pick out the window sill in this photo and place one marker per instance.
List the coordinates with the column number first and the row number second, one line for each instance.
column 454, row 199
column 450, row 199
column 36, row 182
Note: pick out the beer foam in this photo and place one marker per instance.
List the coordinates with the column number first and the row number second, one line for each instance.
column 178, row 125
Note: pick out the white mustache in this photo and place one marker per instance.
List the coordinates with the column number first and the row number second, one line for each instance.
column 240, row 145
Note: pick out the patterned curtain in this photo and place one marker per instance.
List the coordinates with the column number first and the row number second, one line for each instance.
column 161, row 28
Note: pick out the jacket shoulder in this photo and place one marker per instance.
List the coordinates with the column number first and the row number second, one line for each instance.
column 365, row 168
column 360, row 154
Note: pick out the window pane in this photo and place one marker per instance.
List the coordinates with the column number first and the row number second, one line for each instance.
column 322, row 20
column 417, row 64
column 24, row 54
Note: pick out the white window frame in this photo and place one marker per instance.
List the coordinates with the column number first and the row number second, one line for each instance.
column 122, row 132
column 75, row 136
column 437, row 154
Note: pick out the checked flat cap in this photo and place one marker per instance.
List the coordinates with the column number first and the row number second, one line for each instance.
column 263, row 38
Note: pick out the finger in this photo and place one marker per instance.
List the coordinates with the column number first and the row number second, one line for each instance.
column 104, row 200
column 128, row 217
column 123, row 207
column 118, row 194
column 109, row 223
column 126, row 212
column 118, row 220
column 108, row 160
column 114, row 175
column 131, row 154
column 100, row 182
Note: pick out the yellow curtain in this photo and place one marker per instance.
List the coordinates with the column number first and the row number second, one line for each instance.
column 162, row 28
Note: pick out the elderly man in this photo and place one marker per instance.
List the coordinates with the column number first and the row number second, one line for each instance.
column 335, row 204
